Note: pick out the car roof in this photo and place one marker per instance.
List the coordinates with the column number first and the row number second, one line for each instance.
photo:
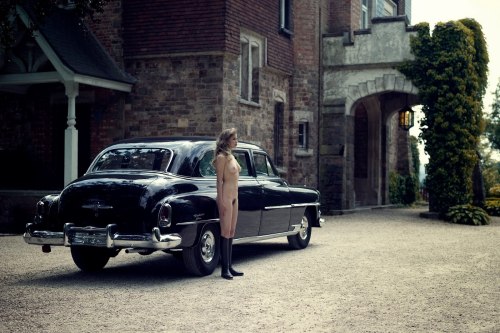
column 182, row 140
column 188, row 150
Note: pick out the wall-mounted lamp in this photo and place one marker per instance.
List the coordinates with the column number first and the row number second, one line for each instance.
column 406, row 118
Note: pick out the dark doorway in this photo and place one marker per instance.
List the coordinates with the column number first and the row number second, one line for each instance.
column 279, row 109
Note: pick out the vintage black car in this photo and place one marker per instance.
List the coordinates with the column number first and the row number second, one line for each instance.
column 150, row 194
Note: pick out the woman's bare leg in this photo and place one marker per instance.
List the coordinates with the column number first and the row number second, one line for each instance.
column 226, row 219
column 234, row 218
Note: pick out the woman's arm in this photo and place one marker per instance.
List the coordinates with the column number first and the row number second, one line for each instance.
column 220, row 164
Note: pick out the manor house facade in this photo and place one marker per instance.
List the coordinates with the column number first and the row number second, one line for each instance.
column 315, row 82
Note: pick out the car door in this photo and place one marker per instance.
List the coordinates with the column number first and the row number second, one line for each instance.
column 275, row 200
column 249, row 192
column 249, row 198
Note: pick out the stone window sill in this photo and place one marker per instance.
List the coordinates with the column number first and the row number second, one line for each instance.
column 301, row 152
column 250, row 103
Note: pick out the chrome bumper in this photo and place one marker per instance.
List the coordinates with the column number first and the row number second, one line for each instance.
column 101, row 237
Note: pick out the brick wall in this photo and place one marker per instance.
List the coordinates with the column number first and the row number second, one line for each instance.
column 27, row 139
column 107, row 116
column 156, row 27
column 345, row 16
column 308, row 27
column 262, row 17
column 175, row 96
column 254, row 123
column 108, row 28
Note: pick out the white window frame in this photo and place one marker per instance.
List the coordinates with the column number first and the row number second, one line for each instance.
column 364, row 14
column 303, row 135
column 254, row 60
column 390, row 8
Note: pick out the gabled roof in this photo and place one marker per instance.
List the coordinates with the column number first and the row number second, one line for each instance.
column 73, row 51
column 78, row 49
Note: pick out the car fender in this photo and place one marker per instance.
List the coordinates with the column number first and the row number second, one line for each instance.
column 190, row 213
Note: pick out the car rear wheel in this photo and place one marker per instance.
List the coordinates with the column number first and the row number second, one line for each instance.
column 301, row 240
column 203, row 258
column 90, row 259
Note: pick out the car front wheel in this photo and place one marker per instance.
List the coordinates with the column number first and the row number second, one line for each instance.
column 301, row 240
column 203, row 257
column 90, row 259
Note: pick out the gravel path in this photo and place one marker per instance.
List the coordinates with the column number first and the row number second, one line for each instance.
column 373, row 271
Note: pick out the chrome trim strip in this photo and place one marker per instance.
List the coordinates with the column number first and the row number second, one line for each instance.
column 196, row 222
column 296, row 229
column 277, row 207
column 306, row 204
column 101, row 237
column 293, row 205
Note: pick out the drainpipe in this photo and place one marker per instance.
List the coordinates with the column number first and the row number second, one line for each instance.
column 320, row 94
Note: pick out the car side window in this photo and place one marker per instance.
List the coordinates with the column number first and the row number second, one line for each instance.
column 263, row 166
column 243, row 159
column 207, row 169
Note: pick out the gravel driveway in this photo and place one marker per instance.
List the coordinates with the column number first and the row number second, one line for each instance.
column 374, row 271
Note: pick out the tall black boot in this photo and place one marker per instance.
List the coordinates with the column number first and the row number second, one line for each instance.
column 224, row 244
column 231, row 269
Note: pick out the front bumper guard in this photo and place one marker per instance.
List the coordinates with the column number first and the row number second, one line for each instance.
column 101, row 237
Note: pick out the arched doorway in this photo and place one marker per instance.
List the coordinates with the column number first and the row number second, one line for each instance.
column 380, row 146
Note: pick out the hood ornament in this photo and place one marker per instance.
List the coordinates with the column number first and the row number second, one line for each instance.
column 97, row 206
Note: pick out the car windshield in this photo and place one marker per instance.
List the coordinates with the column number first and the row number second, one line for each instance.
column 134, row 159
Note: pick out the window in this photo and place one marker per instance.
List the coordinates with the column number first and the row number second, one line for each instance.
column 135, row 159
column 263, row 166
column 251, row 56
column 389, row 8
column 207, row 169
column 285, row 16
column 364, row 14
column 303, row 134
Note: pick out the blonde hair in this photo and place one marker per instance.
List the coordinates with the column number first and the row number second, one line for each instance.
column 222, row 143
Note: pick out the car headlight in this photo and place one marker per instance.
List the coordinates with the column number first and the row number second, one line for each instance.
column 165, row 216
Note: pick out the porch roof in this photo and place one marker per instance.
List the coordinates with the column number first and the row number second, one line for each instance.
column 75, row 53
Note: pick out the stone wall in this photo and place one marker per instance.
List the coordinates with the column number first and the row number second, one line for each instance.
column 175, row 95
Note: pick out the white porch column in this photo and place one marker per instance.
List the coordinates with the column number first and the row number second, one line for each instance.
column 71, row 135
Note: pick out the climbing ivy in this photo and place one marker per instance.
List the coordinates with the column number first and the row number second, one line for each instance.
column 450, row 71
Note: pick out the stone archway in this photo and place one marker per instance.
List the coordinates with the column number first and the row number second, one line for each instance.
column 379, row 145
column 362, row 91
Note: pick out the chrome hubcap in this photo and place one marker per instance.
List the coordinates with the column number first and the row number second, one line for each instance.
column 207, row 246
column 304, row 226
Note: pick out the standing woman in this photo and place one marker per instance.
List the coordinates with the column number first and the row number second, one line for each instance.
column 228, row 171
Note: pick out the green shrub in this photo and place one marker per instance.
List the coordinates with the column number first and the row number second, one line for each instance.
column 495, row 191
column 402, row 189
column 396, row 188
column 492, row 206
column 467, row 214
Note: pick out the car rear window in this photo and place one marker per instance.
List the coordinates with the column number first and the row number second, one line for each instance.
column 134, row 159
